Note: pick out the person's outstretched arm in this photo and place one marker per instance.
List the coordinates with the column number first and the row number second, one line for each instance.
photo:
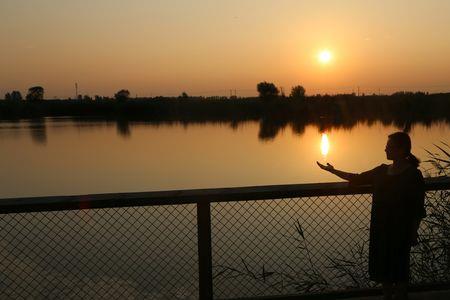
column 363, row 178
column 339, row 173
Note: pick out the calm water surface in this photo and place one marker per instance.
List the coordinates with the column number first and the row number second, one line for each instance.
column 152, row 251
column 60, row 156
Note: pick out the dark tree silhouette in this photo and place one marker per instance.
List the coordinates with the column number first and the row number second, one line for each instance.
column 35, row 93
column 267, row 90
column 7, row 96
column 184, row 95
column 122, row 95
column 298, row 93
column 87, row 98
column 16, row 96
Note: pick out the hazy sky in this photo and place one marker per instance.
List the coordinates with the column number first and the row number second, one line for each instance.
column 207, row 47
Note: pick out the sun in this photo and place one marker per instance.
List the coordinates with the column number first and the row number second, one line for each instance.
column 324, row 56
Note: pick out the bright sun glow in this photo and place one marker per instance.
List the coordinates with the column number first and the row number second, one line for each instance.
column 325, row 56
column 325, row 145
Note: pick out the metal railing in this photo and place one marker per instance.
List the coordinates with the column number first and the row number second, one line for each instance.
column 246, row 242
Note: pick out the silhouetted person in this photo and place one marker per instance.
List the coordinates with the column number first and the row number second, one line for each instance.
column 397, row 209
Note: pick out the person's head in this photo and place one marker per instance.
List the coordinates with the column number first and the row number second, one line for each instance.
column 399, row 147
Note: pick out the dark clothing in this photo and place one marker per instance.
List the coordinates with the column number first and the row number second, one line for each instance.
column 397, row 202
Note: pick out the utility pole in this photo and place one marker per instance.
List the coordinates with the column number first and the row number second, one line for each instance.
column 76, row 90
column 358, row 91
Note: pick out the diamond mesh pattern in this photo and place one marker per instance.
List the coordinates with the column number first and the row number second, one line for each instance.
column 291, row 246
column 431, row 258
column 259, row 248
column 115, row 253
column 281, row 246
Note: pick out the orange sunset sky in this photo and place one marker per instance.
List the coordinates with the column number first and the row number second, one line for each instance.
column 207, row 47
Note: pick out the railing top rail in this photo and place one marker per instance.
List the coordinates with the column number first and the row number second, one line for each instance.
column 35, row 204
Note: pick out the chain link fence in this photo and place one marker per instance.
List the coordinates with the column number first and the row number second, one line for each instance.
column 290, row 245
column 287, row 246
column 314, row 244
column 113, row 253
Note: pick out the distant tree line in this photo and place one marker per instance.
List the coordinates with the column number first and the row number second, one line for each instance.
column 13, row 96
column 402, row 110
column 269, row 91
column 266, row 91
column 271, row 108
column 35, row 93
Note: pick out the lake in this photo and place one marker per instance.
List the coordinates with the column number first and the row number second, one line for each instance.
column 151, row 252
column 62, row 156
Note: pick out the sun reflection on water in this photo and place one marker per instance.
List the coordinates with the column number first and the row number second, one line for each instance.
column 325, row 145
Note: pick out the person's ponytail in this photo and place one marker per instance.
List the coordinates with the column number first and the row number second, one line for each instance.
column 413, row 159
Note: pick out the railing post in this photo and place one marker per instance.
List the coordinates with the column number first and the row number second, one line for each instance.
column 204, row 250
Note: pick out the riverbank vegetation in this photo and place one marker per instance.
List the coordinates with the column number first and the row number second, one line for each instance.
column 273, row 110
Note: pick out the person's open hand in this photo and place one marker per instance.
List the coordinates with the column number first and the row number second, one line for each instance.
column 328, row 167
